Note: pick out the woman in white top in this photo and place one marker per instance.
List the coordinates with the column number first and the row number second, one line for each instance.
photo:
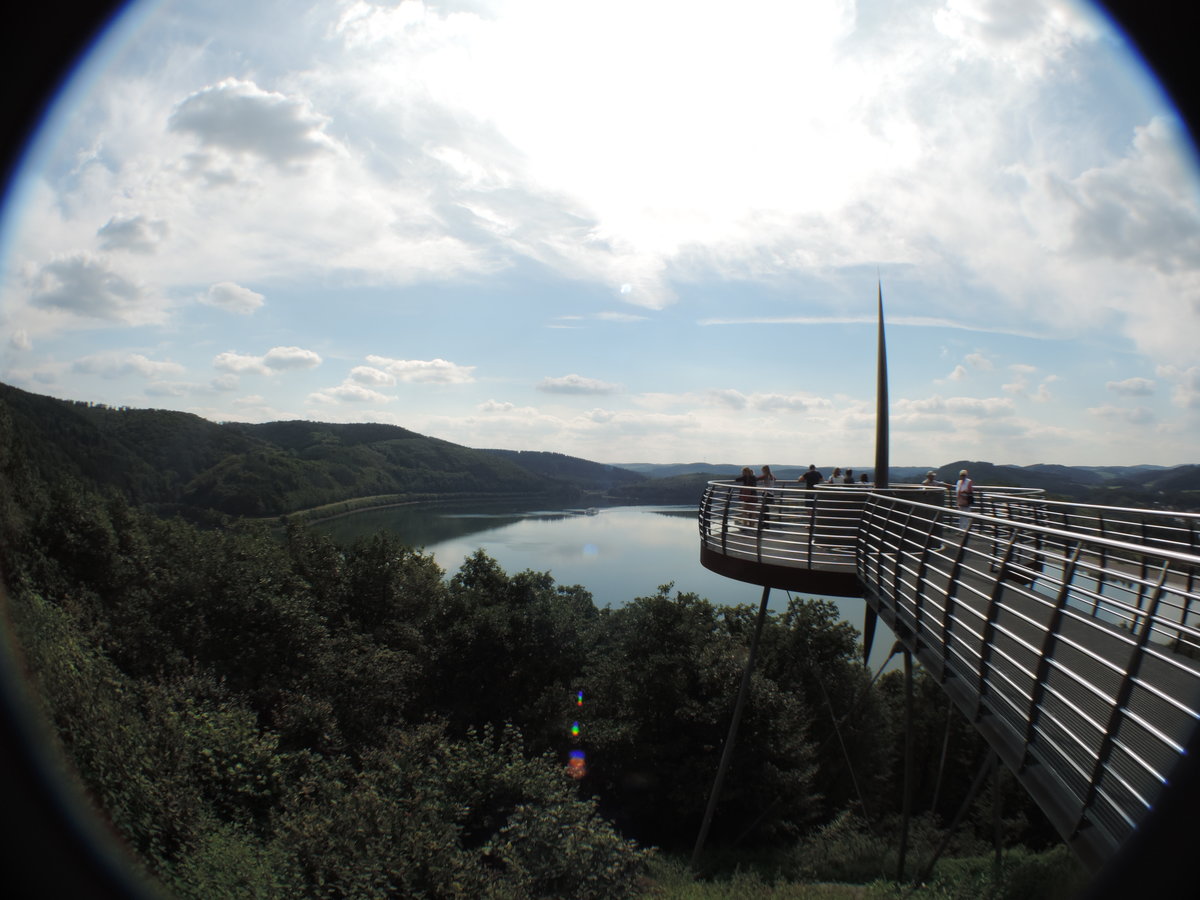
column 964, row 495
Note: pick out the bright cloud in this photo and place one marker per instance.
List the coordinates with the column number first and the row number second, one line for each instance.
column 1186, row 392
column 1132, row 387
column 240, row 117
column 277, row 359
column 87, row 286
column 116, row 366
column 1133, row 416
column 371, row 375
column 957, row 406
column 348, row 392
column 575, row 384
column 232, row 297
column 423, row 371
column 237, row 363
column 137, row 234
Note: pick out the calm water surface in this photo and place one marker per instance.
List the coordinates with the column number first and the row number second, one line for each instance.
column 617, row 553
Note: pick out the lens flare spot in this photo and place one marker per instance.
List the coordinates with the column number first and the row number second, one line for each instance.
column 575, row 730
column 579, row 698
column 577, row 765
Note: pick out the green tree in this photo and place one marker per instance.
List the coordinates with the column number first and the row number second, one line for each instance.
column 659, row 691
column 505, row 650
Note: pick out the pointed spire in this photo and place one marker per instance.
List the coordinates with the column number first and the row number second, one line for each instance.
column 881, row 404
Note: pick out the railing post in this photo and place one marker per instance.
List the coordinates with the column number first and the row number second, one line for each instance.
column 762, row 522
column 951, row 597
column 1116, row 711
column 1046, row 654
column 725, row 521
column 989, row 625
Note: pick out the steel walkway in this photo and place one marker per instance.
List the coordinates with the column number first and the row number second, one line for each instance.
column 1069, row 635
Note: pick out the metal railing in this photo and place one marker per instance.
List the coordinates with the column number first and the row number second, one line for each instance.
column 1073, row 652
column 795, row 527
column 1069, row 634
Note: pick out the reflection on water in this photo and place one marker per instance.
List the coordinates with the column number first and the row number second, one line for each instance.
column 617, row 553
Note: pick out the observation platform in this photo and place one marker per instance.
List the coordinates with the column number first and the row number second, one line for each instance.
column 1068, row 634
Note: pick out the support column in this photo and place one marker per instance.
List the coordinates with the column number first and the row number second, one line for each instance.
column 731, row 738
column 906, row 811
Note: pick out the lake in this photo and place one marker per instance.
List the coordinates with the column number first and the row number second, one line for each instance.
column 617, row 553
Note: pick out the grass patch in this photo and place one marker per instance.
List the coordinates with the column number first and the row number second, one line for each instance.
column 1023, row 875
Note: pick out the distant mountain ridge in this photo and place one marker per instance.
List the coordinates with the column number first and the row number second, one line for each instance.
column 180, row 462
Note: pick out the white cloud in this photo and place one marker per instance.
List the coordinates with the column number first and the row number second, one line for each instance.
column 728, row 398
column 279, row 358
column 240, row 117
column 957, row 406
column 506, row 409
column 785, row 402
column 1186, row 392
column 19, row 340
column 238, row 363
column 348, row 392
column 599, row 416
column 1132, row 387
column 119, row 365
column 575, row 384
column 423, row 371
column 137, row 234
column 371, row 375
column 1043, row 393
column 1136, row 416
column 84, row 285
column 979, row 361
column 232, row 297
column 169, row 389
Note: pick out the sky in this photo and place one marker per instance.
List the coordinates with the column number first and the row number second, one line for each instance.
column 641, row 231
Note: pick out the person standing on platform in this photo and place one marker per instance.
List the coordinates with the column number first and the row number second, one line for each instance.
column 811, row 479
column 849, row 479
column 749, row 496
column 766, row 480
column 964, row 497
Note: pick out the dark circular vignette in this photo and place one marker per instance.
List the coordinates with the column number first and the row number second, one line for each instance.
column 52, row 850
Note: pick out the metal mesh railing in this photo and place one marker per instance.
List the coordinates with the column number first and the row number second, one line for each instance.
column 1069, row 634
column 783, row 525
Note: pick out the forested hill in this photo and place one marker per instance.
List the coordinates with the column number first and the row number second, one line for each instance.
column 581, row 472
column 182, row 462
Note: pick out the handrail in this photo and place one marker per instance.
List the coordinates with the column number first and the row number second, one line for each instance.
column 1069, row 634
column 1076, row 655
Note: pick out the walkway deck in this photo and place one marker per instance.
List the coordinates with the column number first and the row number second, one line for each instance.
column 1070, row 647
